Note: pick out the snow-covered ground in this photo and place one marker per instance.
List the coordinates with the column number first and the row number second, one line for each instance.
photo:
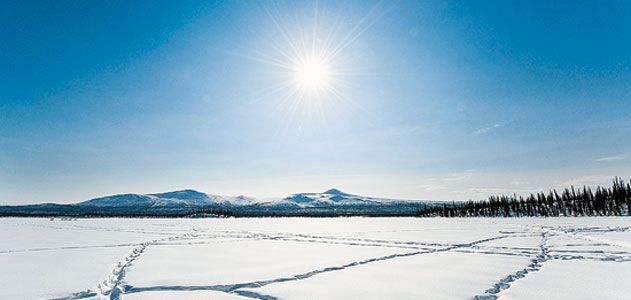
column 316, row 258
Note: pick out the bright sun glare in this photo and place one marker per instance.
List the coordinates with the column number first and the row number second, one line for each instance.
column 312, row 74
column 311, row 61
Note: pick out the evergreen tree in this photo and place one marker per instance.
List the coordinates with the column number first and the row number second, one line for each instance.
column 613, row 201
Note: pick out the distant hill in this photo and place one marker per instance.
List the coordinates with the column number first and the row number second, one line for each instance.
column 184, row 198
column 330, row 198
column 332, row 202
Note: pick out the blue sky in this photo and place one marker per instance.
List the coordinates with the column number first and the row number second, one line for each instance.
column 423, row 99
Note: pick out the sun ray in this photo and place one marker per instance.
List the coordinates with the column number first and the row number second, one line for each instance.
column 356, row 32
column 308, row 68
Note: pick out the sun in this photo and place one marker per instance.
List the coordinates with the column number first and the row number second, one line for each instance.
column 312, row 74
column 310, row 62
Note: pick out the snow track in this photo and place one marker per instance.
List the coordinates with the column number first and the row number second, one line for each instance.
column 114, row 285
column 66, row 248
column 294, row 258
column 547, row 253
column 236, row 288
column 505, row 283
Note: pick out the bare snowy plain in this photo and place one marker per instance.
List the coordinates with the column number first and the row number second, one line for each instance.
column 316, row 258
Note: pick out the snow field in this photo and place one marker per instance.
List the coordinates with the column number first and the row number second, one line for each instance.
column 321, row 258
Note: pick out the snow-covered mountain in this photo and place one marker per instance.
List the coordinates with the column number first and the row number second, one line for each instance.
column 332, row 202
column 329, row 198
column 192, row 198
column 184, row 198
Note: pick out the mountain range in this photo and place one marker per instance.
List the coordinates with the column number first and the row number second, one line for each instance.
column 183, row 198
column 332, row 202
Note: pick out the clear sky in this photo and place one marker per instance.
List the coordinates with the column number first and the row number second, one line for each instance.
column 415, row 100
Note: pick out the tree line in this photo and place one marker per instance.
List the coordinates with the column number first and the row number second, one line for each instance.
column 601, row 201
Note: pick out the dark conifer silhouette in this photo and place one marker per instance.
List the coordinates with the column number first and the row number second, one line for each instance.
column 612, row 201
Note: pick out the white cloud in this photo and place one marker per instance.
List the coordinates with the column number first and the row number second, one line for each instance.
column 611, row 158
column 486, row 129
column 520, row 183
column 431, row 187
column 588, row 180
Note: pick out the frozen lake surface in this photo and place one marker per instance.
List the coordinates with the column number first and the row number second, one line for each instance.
column 316, row 258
